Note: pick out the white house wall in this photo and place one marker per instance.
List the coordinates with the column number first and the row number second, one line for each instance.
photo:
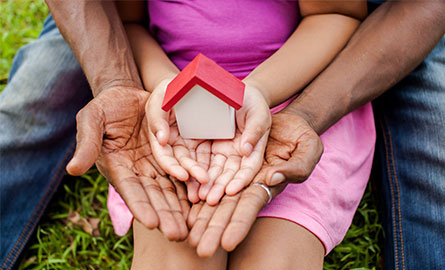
column 201, row 115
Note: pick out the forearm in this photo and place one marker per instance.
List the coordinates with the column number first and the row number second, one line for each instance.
column 97, row 37
column 312, row 46
column 388, row 45
column 152, row 62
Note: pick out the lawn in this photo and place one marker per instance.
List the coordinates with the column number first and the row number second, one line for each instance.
column 76, row 231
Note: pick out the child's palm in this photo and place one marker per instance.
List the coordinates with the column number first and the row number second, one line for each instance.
column 179, row 154
column 229, row 170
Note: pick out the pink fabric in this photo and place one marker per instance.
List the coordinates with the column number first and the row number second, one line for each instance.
column 326, row 202
column 120, row 215
column 240, row 35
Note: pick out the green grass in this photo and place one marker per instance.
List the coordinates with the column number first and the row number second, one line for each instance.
column 20, row 23
column 58, row 244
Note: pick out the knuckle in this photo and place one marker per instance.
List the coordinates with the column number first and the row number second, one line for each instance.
column 254, row 197
column 259, row 131
column 80, row 115
column 228, row 200
column 216, row 227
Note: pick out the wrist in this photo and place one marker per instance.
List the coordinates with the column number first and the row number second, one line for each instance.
column 162, row 80
column 256, row 85
column 308, row 116
column 136, row 85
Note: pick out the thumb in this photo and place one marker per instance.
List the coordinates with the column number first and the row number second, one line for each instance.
column 257, row 124
column 299, row 166
column 89, row 136
column 158, row 119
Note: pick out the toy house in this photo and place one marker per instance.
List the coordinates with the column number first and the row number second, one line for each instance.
column 204, row 97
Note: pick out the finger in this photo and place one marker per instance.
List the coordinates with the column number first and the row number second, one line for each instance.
column 257, row 124
column 185, row 159
column 130, row 188
column 158, row 118
column 217, row 191
column 300, row 165
column 200, row 224
column 90, row 131
column 216, row 168
column 166, row 160
column 193, row 215
column 192, row 190
column 170, row 193
column 252, row 200
column 203, row 154
column 249, row 168
column 211, row 238
column 167, row 222
column 182, row 197
column 151, row 159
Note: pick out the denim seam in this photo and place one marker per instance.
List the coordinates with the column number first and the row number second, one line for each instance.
column 396, row 180
column 57, row 177
column 385, row 142
column 389, row 153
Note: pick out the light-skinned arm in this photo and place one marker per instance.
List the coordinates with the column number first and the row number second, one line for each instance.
column 324, row 30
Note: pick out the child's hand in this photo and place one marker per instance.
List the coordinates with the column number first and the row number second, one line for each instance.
column 180, row 158
column 235, row 162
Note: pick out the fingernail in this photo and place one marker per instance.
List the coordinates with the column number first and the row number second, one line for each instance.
column 248, row 148
column 277, row 178
column 159, row 135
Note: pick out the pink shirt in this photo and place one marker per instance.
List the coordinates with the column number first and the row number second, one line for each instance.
column 237, row 34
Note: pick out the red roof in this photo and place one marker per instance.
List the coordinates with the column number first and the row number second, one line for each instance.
column 210, row 76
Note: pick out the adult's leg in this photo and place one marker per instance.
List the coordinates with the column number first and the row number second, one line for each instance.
column 37, row 133
column 278, row 244
column 411, row 142
column 153, row 249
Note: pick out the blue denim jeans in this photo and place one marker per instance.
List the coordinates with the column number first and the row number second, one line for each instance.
column 47, row 87
column 37, row 134
column 411, row 144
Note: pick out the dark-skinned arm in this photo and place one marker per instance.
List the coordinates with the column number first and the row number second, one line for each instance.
column 388, row 45
column 97, row 37
column 112, row 128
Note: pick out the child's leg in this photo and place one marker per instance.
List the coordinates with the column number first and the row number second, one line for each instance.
column 278, row 244
column 153, row 251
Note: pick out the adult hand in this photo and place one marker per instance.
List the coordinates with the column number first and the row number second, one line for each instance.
column 292, row 152
column 228, row 222
column 112, row 129
column 234, row 163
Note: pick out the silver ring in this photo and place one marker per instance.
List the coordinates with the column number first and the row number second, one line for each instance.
column 266, row 188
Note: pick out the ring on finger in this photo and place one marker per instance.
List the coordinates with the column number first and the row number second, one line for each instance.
column 266, row 188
